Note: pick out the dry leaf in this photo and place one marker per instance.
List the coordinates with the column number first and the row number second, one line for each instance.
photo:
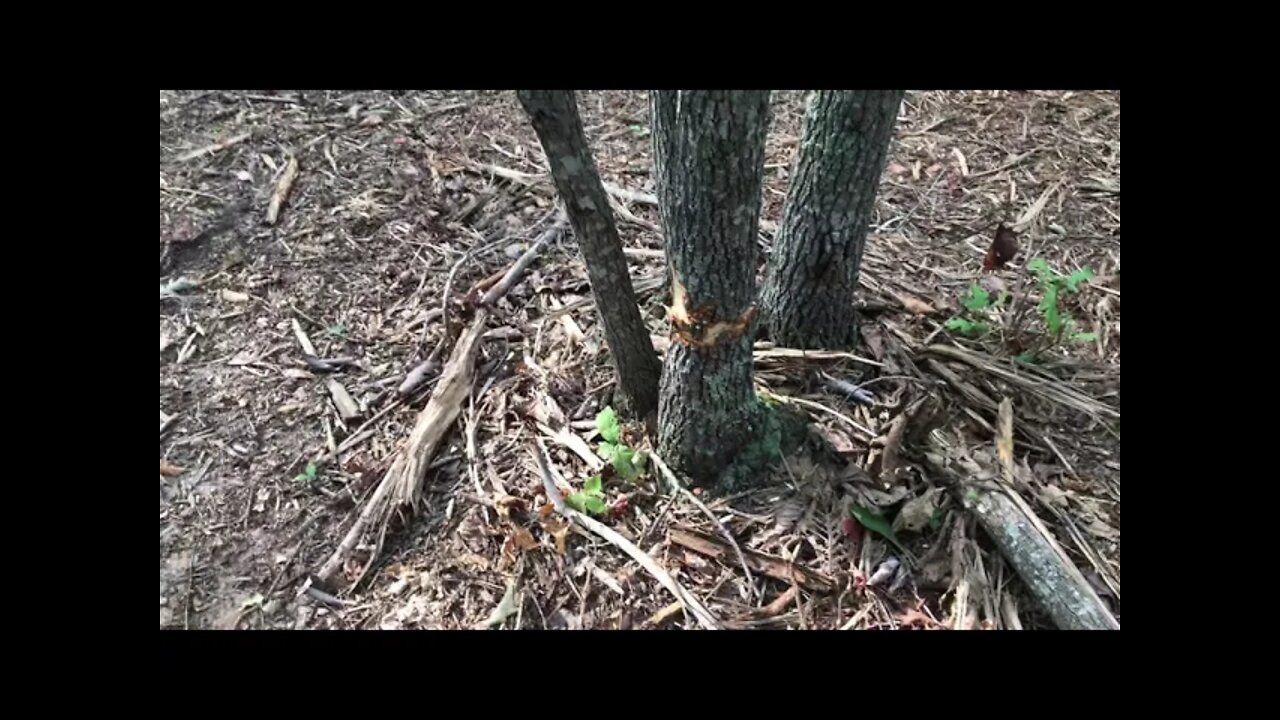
column 1003, row 249
column 168, row 469
column 914, row 304
column 896, row 168
column 506, row 503
column 1053, row 495
column 883, row 499
column 917, row 513
column 524, row 539
column 1100, row 529
column 244, row 357
column 234, row 296
column 559, row 530
column 839, row 441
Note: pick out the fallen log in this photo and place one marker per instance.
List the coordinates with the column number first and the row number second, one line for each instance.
column 1024, row 541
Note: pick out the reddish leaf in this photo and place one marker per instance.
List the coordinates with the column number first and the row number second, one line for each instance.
column 1002, row 250
column 851, row 530
column 618, row 507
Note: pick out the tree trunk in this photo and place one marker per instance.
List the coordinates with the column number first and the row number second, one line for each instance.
column 813, row 269
column 554, row 115
column 709, row 162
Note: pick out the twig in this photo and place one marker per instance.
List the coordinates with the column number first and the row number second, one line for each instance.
column 866, row 432
column 680, row 488
column 695, row 606
column 201, row 152
column 775, row 567
column 303, row 340
column 281, row 193
column 503, row 285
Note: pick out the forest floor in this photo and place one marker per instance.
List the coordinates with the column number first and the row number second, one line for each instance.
column 399, row 205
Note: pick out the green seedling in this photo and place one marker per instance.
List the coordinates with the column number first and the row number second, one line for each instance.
column 626, row 461
column 590, row 499
column 308, row 475
column 981, row 313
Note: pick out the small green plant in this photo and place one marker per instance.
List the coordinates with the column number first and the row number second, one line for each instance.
column 1052, row 286
column 629, row 464
column 982, row 314
column 308, row 475
column 339, row 330
column 626, row 461
column 590, row 499
column 981, row 310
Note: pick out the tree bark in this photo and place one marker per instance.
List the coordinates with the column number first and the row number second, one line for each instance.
column 555, row 119
column 813, row 269
column 709, row 162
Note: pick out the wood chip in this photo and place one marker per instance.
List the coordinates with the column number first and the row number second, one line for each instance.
column 348, row 409
column 281, row 192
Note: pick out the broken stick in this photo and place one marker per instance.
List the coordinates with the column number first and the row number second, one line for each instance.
column 281, row 192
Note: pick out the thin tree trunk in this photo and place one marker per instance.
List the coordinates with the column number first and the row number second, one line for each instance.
column 813, row 269
column 709, row 160
column 554, row 115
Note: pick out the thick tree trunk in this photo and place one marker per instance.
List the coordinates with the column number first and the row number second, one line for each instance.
column 813, row 269
column 709, row 159
column 554, row 115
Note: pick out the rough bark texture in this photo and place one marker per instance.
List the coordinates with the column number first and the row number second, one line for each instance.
column 813, row 269
column 1051, row 578
column 554, row 115
column 709, row 159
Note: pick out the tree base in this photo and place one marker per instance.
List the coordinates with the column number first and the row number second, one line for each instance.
column 783, row 431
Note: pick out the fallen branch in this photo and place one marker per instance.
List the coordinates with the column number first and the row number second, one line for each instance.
column 1024, row 541
column 402, row 482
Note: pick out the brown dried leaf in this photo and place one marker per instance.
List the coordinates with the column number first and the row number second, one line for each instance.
column 557, row 529
column 914, row 304
column 1003, row 249
column 168, row 469
column 838, row 440
column 917, row 513
column 524, row 539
